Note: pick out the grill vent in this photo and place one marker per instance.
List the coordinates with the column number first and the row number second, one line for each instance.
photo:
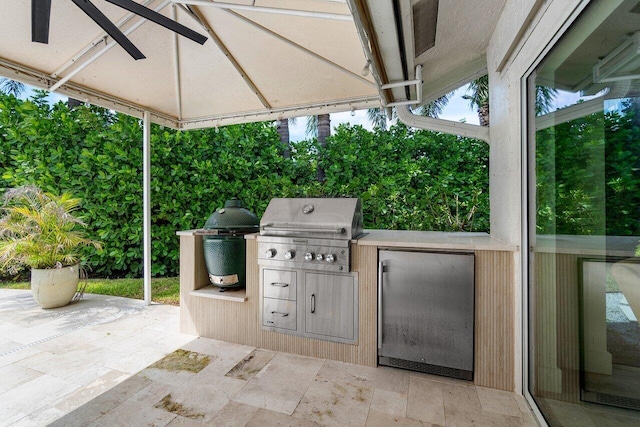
column 427, row 368
column 425, row 18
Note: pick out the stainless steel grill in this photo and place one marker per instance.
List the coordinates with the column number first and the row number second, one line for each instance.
column 309, row 233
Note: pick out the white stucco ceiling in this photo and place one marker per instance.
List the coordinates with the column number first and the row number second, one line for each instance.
column 463, row 31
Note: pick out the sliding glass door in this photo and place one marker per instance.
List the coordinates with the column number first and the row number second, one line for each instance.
column 584, row 210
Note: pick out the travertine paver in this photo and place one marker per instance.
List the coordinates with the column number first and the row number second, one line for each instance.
column 54, row 361
column 280, row 385
column 115, row 381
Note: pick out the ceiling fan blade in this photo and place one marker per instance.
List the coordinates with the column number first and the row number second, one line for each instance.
column 104, row 22
column 40, row 18
column 159, row 19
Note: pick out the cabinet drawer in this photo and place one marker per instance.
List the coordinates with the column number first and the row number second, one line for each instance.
column 279, row 284
column 279, row 313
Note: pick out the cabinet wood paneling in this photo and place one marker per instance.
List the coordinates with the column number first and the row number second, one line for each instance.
column 494, row 333
column 240, row 322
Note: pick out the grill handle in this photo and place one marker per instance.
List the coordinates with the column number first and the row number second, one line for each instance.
column 294, row 229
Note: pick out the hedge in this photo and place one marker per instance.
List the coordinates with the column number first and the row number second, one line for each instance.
column 407, row 179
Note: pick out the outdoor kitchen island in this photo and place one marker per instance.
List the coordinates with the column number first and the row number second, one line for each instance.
column 235, row 316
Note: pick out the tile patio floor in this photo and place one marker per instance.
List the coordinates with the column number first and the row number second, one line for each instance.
column 92, row 364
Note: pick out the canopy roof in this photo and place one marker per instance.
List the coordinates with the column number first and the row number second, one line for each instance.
column 263, row 60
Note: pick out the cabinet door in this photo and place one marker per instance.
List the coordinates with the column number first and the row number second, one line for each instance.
column 330, row 305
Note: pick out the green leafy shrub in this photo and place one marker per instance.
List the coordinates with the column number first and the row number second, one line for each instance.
column 407, row 179
column 40, row 230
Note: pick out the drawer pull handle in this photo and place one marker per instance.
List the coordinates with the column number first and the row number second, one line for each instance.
column 313, row 303
column 277, row 313
column 280, row 284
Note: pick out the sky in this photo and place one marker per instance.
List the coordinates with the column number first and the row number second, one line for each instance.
column 457, row 109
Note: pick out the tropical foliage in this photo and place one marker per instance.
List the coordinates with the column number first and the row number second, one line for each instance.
column 408, row 179
column 40, row 230
column 587, row 175
column 12, row 87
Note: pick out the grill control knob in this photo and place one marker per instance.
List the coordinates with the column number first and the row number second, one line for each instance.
column 308, row 256
column 319, row 257
column 331, row 258
column 270, row 253
column 289, row 254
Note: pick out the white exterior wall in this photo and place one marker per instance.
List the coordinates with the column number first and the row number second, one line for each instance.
column 522, row 34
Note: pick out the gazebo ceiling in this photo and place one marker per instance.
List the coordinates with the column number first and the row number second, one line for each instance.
column 263, row 60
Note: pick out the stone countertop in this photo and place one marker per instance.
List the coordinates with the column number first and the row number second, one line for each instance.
column 203, row 232
column 434, row 240
column 624, row 246
column 415, row 239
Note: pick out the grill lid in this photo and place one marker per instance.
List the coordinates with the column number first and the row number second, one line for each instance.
column 233, row 217
column 335, row 218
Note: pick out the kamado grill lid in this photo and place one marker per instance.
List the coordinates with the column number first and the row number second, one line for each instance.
column 233, row 218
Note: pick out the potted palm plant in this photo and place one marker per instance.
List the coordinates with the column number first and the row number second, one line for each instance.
column 39, row 230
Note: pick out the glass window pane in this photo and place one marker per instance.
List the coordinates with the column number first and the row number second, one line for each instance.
column 584, row 199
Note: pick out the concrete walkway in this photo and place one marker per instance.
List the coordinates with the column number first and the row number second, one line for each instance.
column 53, row 361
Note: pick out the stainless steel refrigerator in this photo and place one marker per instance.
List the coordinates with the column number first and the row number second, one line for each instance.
column 426, row 311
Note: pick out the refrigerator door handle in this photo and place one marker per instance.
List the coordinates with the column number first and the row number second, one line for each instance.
column 380, row 279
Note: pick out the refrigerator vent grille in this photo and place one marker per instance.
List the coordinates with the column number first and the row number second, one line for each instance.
column 610, row 399
column 427, row 368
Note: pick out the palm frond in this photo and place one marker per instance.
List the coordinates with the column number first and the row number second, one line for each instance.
column 479, row 89
column 12, row 87
column 378, row 118
column 40, row 230
column 545, row 97
column 312, row 126
column 435, row 107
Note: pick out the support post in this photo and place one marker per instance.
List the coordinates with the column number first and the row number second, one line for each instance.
column 146, row 204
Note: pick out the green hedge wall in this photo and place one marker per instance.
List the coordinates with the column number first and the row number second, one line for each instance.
column 407, row 179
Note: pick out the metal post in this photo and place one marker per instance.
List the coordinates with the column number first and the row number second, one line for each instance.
column 146, row 205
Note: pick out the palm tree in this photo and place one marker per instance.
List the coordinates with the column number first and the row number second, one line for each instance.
column 282, row 126
column 544, row 99
column 378, row 116
column 479, row 98
column 12, row 87
column 320, row 126
column 435, row 107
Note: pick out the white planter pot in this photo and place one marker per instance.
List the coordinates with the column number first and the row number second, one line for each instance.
column 54, row 287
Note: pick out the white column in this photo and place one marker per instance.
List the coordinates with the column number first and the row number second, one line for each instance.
column 146, row 205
